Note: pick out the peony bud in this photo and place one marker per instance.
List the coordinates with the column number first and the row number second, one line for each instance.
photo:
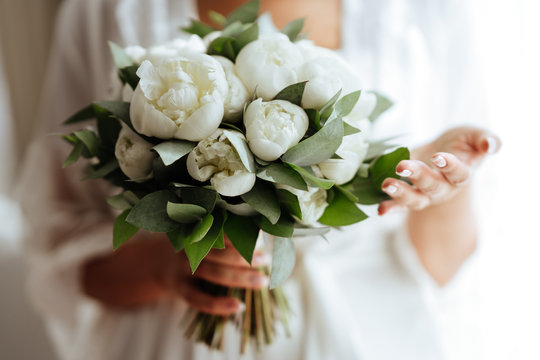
column 134, row 154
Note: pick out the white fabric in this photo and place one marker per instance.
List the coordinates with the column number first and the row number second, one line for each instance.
column 362, row 295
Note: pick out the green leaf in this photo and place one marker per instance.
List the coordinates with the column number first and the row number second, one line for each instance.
column 150, row 213
column 122, row 230
column 173, row 150
column 327, row 109
column 203, row 197
column 119, row 202
column 345, row 105
column 365, row 191
column 282, row 174
column 314, row 119
column 247, row 36
column 200, row 229
column 310, row 231
column 311, row 179
column 232, row 30
column 84, row 114
column 283, row 227
column 283, row 261
column 262, row 198
column 231, row 127
column 349, row 129
column 246, row 13
column 341, row 211
column 377, row 148
column 290, row 202
column 74, row 154
column 243, row 233
column 383, row 104
column 292, row 93
column 90, row 140
column 185, row 213
column 103, row 170
column 317, row 148
column 196, row 251
column 223, row 46
column 128, row 75
column 293, row 29
column 177, row 237
column 385, row 165
column 108, row 130
column 217, row 18
column 121, row 59
column 220, row 242
column 119, row 109
column 198, row 28
column 242, row 150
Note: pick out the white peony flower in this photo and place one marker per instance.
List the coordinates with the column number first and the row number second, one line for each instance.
column 238, row 95
column 216, row 159
column 269, row 64
column 273, row 127
column 134, row 154
column 161, row 52
column 352, row 151
column 312, row 203
column 180, row 98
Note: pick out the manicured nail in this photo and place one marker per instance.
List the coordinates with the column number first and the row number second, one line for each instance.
column 439, row 161
column 241, row 307
column 390, row 189
column 492, row 145
column 260, row 259
column 404, row 173
column 261, row 281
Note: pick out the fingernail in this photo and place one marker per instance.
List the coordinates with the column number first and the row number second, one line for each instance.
column 491, row 145
column 241, row 307
column 261, row 281
column 260, row 259
column 439, row 161
column 404, row 173
column 390, row 189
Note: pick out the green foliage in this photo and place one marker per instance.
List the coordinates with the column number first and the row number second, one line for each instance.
column 293, row 29
column 74, row 154
column 328, row 108
column 262, row 198
column 290, row 202
column 177, row 237
column 345, row 105
column 317, row 148
column 84, row 114
column 283, row 261
column 198, row 28
column 205, row 198
column 233, row 39
column 341, row 211
column 242, row 150
column 245, row 14
column 185, row 213
column 383, row 104
column 282, row 174
column 121, row 59
column 310, row 178
column 217, row 18
column 90, row 140
column 199, row 231
column 349, row 129
column 172, row 150
column 150, row 213
column 128, row 75
column 292, row 93
column 283, row 227
column 243, row 233
column 122, row 230
column 102, row 170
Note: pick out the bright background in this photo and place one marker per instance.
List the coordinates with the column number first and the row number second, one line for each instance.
column 508, row 45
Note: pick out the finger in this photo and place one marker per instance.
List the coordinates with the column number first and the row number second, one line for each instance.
column 231, row 257
column 231, row 276
column 203, row 302
column 404, row 194
column 486, row 143
column 427, row 180
column 389, row 206
column 454, row 170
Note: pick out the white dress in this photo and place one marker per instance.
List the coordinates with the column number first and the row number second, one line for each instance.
column 362, row 295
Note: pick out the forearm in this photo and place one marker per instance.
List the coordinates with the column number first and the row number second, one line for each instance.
column 444, row 235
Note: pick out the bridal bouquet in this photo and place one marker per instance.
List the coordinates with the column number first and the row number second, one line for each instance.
column 234, row 132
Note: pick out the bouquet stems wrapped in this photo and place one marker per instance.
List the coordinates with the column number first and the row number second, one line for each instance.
column 236, row 132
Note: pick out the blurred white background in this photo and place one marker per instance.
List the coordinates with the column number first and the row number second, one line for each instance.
column 508, row 44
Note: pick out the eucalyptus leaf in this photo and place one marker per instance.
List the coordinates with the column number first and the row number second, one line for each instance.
column 311, row 179
column 84, row 114
column 185, row 213
column 177, row 237
column 217, row 18
column 242, row 150
column 383, row 104
column 317, row 148
column 262, row 198
column 290, row 202
column 122, row 230
column 232, row 30
column 119, row 202
column 283, row 227
column 292, row 93
column 119, row 109
column 345, row 105
column 247, row 36
column 201, row 196
column 220, row 242
column 293, row 29
column 172, row 150
column 349, row 129
column 90, row 140
column 282, row 174
column 385, row 165
column 103, row 170
column 150, row 213
column 314, row 119
column 128, row 75
column 328, row 108
column 223, row 46
column 246, row 13
column 74, row 154
column 365, row 191
column 377, row 148
column 243, row 233
column 310, row 231
column 231, row 127
column 198, row 28
column 200, row 229
column 120, row 57
column 108, row 130
column 283, row 261
column 341, row 211
column 196, row 251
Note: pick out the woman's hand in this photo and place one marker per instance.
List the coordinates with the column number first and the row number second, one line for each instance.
column 440, row 170
column 146, row 270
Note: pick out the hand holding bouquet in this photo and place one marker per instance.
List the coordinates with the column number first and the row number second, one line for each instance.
column 231, row 133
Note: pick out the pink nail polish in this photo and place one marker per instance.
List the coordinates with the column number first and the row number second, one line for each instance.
column 439, row 161
column 404, row 173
